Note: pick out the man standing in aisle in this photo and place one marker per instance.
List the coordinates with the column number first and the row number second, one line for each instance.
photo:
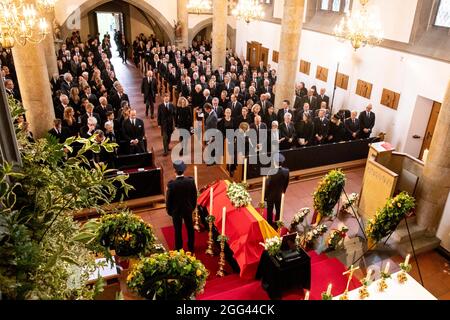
column 366, row 122
column 180, row 204
column 166, row 121
column 276, row 185
column 149, row 90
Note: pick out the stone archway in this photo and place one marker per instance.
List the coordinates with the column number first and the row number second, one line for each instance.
column 154, row 13
column 231, row 33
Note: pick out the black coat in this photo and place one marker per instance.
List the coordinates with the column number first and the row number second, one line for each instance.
column 130, row 132
column 320, row 100
column 305, row 130
column 148, row 89
column 166, row 118
column 181, row 196
column 62, row 135
column 351, row 128
column 366, row 122
column 184, row 118
column 321, row 128
column 277, row 184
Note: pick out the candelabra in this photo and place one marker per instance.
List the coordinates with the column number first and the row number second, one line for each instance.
column 223, row 239
column 196, row 220
column 210, row 219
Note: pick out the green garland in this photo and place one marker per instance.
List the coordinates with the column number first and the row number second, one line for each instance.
column 388, row 218
column 174, row 275
column 328, row 192
column 125, row 233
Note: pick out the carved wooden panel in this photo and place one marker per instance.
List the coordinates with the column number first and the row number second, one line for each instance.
column 342, row 81
column 275, row 56
column 390, row 99
column 322, row 74
column 305, row 67
column 364, row 89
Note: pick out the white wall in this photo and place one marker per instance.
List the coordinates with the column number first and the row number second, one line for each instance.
column 443, row 232
column 410, row 75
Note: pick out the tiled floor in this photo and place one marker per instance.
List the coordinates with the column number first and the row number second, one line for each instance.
column 435, row 269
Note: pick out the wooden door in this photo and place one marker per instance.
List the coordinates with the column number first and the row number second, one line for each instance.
column 253, row 53
column 430, row 128
column 264, row 56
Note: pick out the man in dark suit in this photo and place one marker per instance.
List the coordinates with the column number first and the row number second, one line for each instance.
column 321, row 128
column 260, row 129
column 264, row 103
column 352, row 126
column 149, row 90
column 58, row 131
column 322, row 97
column 89, row 113
column 133, row 131
column 217, row 109
column 283, row 111
column 235, row 106
column 117, row 95
column 166, row 121
column 102, row 109
column 276, row 186
column 181, row 200
column 312, row 100
column 9, row 87
column 366, row 122
column 287, row 132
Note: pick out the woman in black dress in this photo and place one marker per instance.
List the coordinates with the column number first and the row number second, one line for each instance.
column 223, row 100
column 183, row 120
column 69, row 122
column 304, row 130
column 270, row 116
column 336, row 130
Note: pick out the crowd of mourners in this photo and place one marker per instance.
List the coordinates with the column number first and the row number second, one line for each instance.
column 89, row 100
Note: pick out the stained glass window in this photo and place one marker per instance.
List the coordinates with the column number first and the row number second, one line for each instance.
column 443, row 14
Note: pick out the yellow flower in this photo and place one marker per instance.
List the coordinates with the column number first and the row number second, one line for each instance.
column 399, row 205
column 127, row 237
column 199, row 272
column 188, row 254
column 130, row 276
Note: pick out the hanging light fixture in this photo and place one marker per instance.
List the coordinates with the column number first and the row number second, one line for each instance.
column 361, row 28
column 46, row 5
column 20, row 23
column 199, row 6
column 248, row 10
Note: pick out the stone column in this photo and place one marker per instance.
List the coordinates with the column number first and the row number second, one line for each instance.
column 291, row 29
column 183, row 17
column 219, row 33
column 49, row 46
column 434, row 185
column 34, row 85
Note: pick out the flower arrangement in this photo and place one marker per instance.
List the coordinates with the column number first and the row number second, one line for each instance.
column 272, row 245
column 125, row 233
column 350, row 201
column 388, row 218
column 306, row 240
column 238, row 194
column 299, row 217
column 336, row 237
column 174, row 275
column 328, row 193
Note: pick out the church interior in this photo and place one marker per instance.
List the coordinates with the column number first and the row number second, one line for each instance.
column 225, row 150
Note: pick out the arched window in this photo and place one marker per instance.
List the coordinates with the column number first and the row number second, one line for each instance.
column 443, row 14
column 338, row 6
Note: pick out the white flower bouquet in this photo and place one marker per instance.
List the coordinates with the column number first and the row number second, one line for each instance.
column 352, row 199
column 272, row 245
column 238, row 195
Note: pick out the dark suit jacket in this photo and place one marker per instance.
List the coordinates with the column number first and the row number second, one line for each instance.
column 181, row 197
column 166, row 118
column 321, row 128
column 281, row 113
column 102, row 113
column 62, row 135
column 259, row 133
column 351, row 128
column 237, row 110
column 211, row 121
column 320, row 100
column 313, row 104
column 366, row 123
column 130, row 132
column 277, row 184
column 149, row 89
column 84, row 119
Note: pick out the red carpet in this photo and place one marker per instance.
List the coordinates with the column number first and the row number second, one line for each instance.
column 323, row 271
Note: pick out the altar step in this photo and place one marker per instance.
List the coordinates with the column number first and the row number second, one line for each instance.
column 421, row 245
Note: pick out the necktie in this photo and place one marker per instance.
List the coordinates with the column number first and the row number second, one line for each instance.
column 134, row 122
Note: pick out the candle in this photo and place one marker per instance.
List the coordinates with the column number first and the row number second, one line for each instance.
column 307, row 295
column 329, row 289
column 386, row 270
column 369, row 273
column 263, row 189
column 224, row 216
column 245, row 170
column 282, row 207
column 425, row 155
column 211, row 201
column 407, row 259
column 195, row 177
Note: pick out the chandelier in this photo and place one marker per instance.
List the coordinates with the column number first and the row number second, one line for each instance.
column 248, row 10
column 46, row 5
column 360, row 28
column 20, row 23
column 199, row 6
